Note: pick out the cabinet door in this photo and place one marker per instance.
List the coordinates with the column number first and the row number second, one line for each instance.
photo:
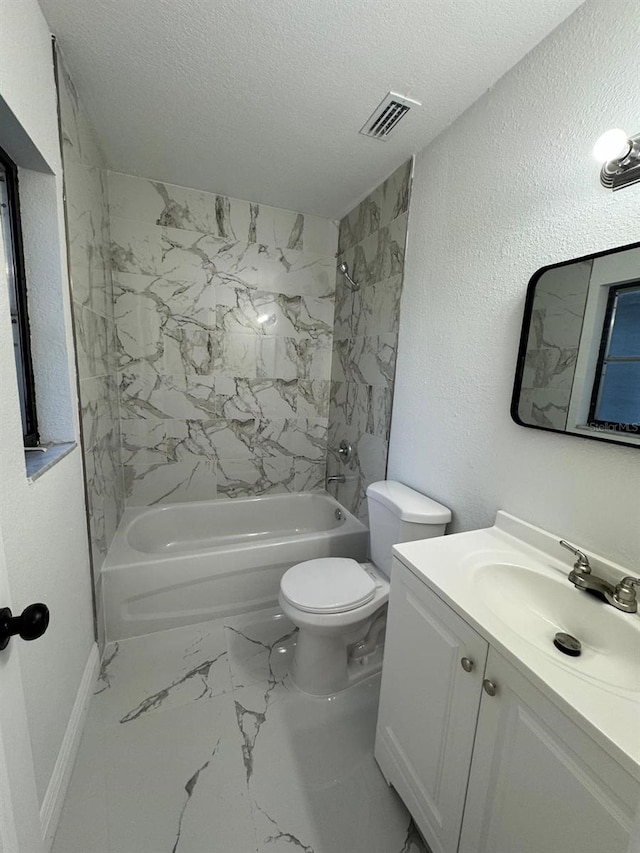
column 538, row 783
column 428, row 707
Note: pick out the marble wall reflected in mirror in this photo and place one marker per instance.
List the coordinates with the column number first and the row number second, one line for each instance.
column 578, row 368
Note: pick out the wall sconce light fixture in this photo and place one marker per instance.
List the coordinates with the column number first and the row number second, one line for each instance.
column 620, row 158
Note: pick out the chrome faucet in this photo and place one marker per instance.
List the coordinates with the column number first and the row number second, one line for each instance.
column 625, row 594
column 621, row 596
column 581, row 566
column 339, row 478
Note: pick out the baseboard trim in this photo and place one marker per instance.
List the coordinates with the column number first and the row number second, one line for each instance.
column 56, row 791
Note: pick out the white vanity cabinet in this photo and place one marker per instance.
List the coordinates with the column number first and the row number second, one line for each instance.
column 538, row 782
column 428, row 707
column 484, row 761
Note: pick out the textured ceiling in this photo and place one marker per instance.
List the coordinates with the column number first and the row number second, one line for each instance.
column 264, row 100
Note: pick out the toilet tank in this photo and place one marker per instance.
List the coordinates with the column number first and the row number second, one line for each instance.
column 400, row 514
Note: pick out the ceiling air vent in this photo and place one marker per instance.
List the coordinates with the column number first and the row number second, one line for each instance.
column 387, row 115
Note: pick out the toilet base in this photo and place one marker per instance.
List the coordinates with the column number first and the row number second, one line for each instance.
column 324, row 664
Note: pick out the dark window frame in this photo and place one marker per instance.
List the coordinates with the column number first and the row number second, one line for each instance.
column 30, row 421
column 600, row 371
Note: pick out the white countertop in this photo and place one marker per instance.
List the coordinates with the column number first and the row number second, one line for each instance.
column 610, row 715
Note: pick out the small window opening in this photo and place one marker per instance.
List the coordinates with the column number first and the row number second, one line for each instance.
column 13, row 268
column 615, row 402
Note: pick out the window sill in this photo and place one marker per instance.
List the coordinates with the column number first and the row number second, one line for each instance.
column 37, row 462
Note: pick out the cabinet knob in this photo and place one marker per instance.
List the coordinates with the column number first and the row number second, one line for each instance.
column 489, row 687
column 466, row 664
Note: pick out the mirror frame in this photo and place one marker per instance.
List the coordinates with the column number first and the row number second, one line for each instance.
column 524, row 339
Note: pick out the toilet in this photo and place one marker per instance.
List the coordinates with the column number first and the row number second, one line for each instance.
column 339, row 605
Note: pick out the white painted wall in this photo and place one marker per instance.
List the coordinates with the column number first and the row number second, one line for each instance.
column 508, row 188
column 42, row 523
column 25, row 74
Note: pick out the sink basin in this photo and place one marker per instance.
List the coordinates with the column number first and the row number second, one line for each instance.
column 536, row 606
column 509, row 582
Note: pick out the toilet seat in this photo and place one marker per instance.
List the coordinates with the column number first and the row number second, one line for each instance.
column 327, row 585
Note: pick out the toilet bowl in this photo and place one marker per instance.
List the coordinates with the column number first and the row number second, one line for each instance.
column 339, row 605
column 333, row 601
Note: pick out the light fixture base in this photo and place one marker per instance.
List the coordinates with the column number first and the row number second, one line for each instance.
column 617, row 174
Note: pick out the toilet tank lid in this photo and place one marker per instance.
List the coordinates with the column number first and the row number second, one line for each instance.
column 408, row 504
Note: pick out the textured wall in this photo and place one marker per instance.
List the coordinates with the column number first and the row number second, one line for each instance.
column 87, row 214
column 43, row 522
column 224, row 315
column 510, row 187
column 371, row 241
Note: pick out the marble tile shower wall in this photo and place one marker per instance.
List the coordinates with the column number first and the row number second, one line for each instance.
column 224, row 314
column 552, row 348
column 87, row 215
column 365, row 335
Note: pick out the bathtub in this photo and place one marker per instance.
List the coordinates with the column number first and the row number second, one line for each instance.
column 183, row 563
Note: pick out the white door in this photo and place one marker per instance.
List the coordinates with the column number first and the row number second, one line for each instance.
column 538, row 782
column 429, row 698
column 20, row 828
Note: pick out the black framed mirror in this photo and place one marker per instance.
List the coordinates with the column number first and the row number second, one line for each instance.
column 578, row 368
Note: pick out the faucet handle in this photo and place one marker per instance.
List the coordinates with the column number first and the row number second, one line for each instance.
column 582, row 563
column 625, row 594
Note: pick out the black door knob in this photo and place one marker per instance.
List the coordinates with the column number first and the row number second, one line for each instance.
column 31, row 624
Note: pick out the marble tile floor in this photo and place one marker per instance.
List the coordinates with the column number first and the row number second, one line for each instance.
column 197, row 742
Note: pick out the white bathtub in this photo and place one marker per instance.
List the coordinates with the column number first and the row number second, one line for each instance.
column 187, row 562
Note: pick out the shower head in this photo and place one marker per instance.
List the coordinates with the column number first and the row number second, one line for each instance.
column 343, row 269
